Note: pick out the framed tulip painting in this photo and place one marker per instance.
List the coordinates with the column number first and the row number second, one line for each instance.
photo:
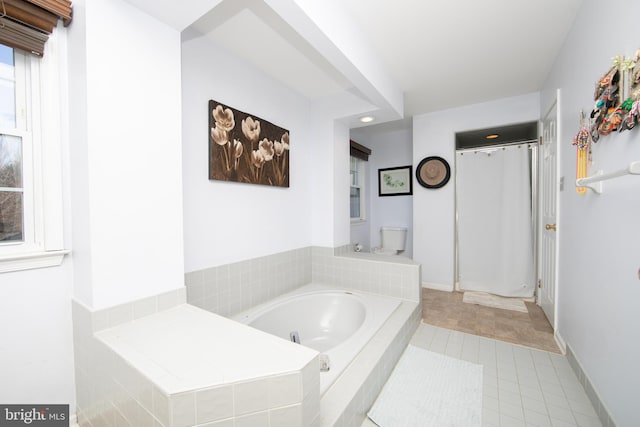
column 246, row 148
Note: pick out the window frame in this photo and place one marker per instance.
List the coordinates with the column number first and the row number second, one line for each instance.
column 29, row 231
column 25, row 72
column 38, row 107
column 360, row 184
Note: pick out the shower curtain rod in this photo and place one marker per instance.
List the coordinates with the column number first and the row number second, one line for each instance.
column 495, row 147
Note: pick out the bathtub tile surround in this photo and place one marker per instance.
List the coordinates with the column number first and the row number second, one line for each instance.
column 123, row 313
column 159, row 362
column 393, row 276
column 231, row 288
column 163, row 370
column 92, row 358
column 214, row 404
column 347, row 402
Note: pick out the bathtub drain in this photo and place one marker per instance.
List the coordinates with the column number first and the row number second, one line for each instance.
column 294, row 337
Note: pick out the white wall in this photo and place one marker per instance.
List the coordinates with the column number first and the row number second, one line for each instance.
column 36, row 348
column 341, row 183
column 126, row 169
column 36, row 344
column 226, row 222
column 598, row 234
column 391, row 146
column 433, row 209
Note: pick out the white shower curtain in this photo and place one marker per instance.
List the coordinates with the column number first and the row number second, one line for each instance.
column 495, row 242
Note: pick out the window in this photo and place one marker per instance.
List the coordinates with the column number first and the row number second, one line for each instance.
column 358, row 195
column 11, row 189
column 30, row 223
column 358, row 166
column 15, row 190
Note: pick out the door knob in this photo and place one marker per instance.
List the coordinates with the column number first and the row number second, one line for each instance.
column 550, row 227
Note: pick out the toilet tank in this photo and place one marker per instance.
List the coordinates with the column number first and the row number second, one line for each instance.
column 394, row 237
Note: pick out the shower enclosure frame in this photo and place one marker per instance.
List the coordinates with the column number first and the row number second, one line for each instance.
column 534, row 146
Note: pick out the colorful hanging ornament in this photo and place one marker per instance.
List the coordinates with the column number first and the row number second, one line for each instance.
column 632, row 103
column 582, row 141
column 612, row 121
column 605, row 116
column 627, row 104
column 632, row 117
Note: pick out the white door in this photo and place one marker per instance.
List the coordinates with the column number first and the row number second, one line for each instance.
column 548, row 204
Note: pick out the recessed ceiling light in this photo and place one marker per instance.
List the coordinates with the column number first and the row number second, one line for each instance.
column 367, row 119
column 492, row 136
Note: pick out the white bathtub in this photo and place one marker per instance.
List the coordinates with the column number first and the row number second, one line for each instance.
column 333, row 321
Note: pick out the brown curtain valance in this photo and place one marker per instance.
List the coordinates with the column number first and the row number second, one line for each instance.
column 359, row 151
column 26, row 24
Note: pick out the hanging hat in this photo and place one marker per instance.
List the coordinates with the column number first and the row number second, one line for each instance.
column 433, row 172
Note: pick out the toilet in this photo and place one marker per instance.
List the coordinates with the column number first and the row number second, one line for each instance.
column 393, row 241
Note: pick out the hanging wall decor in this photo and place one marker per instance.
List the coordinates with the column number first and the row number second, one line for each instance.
column 617, row 98
column 606, row 115
column 616, row 108
column 433, row 172
column 631, row 104
column 582, row 141
column 246, row 148
column 395, row 181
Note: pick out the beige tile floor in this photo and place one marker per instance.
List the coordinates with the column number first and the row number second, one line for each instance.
column 522, row 386
column 446, row 309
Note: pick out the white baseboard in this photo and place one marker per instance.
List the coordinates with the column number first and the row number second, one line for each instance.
column 73, row 420
column 438, row 286
column 561, row 342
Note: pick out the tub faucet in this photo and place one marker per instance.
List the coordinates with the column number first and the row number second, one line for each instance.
column 294, row 337
column 325, row 365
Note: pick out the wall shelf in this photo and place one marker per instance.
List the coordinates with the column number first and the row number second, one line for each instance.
column 594, row 182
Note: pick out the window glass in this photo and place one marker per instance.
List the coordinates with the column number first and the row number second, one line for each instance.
column 356, row 200
column 11, row 191
column 7, row 88
column 11, row 218
column 10, row 161
column 354, row 171
column 11, row 151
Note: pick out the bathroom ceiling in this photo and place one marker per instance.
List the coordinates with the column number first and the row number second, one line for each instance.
column 445, row 54
column 439, row 54
column 252, row 31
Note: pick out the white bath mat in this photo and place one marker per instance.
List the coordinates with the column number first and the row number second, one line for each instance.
column 430, row 389
column 495, row 301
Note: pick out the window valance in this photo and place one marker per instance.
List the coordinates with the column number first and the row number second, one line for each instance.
column 359, row 151
column 26, row 24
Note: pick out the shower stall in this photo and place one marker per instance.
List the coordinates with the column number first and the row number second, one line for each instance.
column 496, row 219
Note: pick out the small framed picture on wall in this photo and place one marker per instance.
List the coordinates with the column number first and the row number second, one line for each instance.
column 395, row 181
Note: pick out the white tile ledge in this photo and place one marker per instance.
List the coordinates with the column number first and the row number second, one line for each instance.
column 186, row 348
column 31, row 260
column 395, row 259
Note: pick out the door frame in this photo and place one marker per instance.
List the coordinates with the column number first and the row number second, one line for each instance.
column 555, row 104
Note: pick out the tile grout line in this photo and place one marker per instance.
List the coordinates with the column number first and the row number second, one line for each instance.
column 541, row 361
